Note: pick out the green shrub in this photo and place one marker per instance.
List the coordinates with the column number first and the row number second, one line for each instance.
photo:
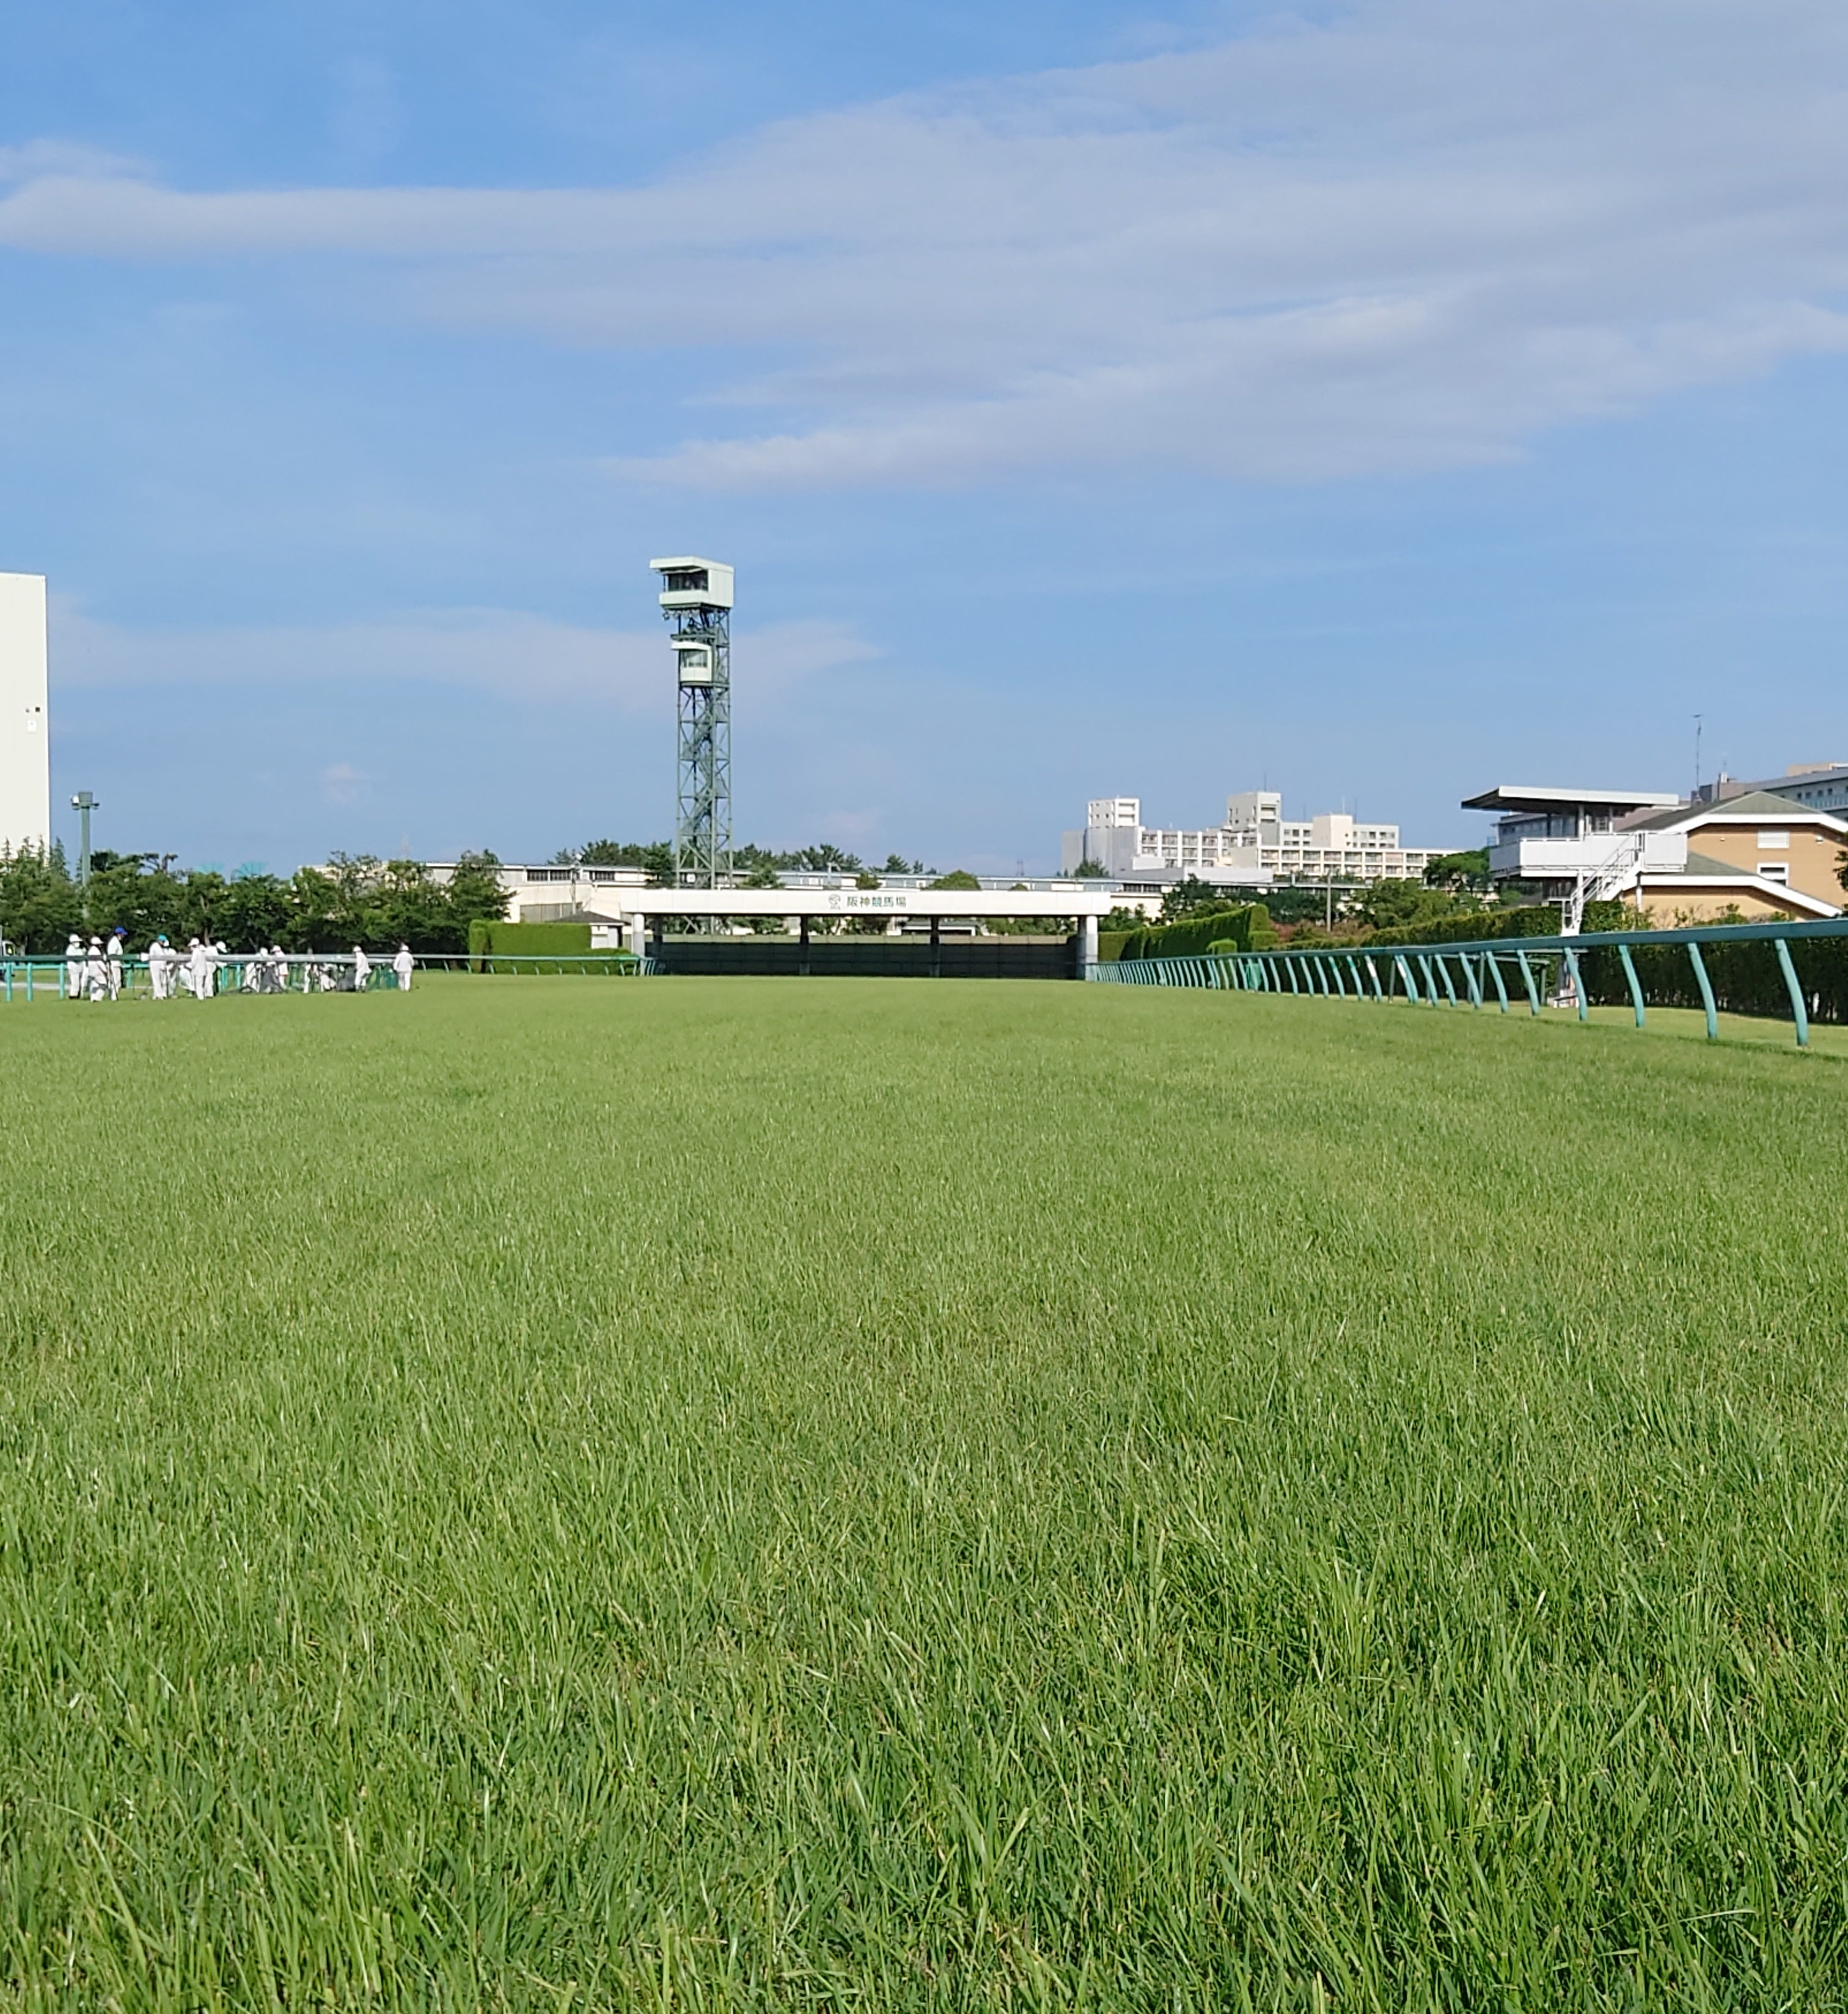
column 535, row 940
column 1211, row 930
column 1746, row 975
column 528, row 948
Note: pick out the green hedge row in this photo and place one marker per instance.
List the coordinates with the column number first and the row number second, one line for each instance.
column 1746, row 977
column 1478, row 926
column 1248, row 929
column 529, row 948
column 533, row 940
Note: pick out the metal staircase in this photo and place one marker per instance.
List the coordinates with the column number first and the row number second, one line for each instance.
column 1598, row 884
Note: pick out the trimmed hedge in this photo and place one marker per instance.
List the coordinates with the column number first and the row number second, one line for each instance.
column 1248, row 929
column 1746, row 977
column 530, row 947
column 1479, row 925
column 534, row 940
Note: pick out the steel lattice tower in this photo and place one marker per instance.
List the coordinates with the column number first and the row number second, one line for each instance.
column 696, row 598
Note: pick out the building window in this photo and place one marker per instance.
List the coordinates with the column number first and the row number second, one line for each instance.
column 1774, row 842
column 1774, row 870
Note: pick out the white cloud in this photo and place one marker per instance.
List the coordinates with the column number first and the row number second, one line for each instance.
column 343, row 783
column 1412, row 237
column 510, row 653
column 39, row 160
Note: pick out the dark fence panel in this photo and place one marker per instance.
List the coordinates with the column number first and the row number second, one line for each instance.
column 869, row 958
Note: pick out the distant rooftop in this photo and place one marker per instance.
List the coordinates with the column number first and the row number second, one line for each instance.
column 1742, row 810
column 1548, row 797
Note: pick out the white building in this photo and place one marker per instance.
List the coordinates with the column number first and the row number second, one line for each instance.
column 1256, row 845
column 548, row 892
column 1553, row 834
column 25, row 732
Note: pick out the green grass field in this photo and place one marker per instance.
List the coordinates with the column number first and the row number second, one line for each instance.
column 550, row 1494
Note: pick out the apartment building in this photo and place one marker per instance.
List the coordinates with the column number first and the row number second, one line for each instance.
column 1254, row 846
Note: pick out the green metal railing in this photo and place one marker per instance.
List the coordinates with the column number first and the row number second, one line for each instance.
column 615, row 965
column 29, row 978
column 1535, row 969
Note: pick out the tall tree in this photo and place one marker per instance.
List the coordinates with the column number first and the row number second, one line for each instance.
column 39, row 904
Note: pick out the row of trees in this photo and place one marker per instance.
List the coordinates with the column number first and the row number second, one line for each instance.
column 1302, row 913
column 354, row 899
column 656, row 857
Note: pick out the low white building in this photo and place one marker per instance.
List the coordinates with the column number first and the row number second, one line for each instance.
column 1255, row 846
column 547, row 893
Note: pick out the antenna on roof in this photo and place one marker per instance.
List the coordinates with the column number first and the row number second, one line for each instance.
column 1698, row 719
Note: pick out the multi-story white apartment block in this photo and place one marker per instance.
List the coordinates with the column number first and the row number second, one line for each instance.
column 1256, row 844
column 25, row 739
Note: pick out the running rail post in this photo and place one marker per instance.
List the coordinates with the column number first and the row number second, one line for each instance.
column 1527, row 975
column 1578, row 985
column 1706, row 989
column 1373, row 974
column 1797, row 1007
column 1494, row 966
column 1635, row 984
column 1470, row 979
column 1410, row 984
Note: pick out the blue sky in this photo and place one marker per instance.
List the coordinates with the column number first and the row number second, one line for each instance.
column 1377, row 402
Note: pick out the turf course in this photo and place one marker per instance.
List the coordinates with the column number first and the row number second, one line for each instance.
column 546, row 1494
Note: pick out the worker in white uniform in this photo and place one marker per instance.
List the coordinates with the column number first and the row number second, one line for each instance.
column 97, row 970
column 160, row 969
column 403, row 964
column 73, row 967
column 362, row 969
column 199, row 976
column 114, row 954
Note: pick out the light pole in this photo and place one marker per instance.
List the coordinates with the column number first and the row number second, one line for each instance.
column 84, row 804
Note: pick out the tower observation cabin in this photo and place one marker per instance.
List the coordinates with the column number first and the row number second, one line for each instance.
column 696, row 596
